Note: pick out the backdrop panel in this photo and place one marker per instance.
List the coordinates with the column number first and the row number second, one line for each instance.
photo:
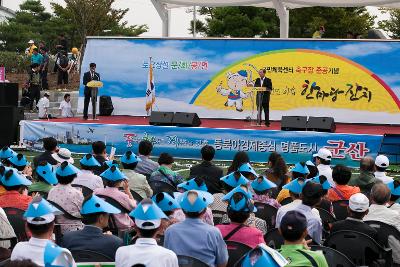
column 187, row 142
column 353, row 81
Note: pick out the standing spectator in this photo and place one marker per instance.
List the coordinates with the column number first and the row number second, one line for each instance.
column 208, row 171
column 95, row 215
column 50, row 146
column 43, row 107
column 208, row 246
column 62, row 68
column 65, row 107
column 44, row 68
column 146, row 166
column 16, row 195
column 31, row 46
column 341, row 191
column 137, row 182
column 62, row 43
column 36, row 57
column 366, row 180
column 239, row 159
column 86, row 177
column 145, row 251
column 33, row 84
column 381, row 164
column 294, row 230
column 164, row 172
column 318, row 34
column 323, row 161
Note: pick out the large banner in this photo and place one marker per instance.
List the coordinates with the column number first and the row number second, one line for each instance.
column 187, row 142
column 352, row 81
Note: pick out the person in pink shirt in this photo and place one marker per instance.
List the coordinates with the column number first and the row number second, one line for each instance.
column 115, row 180
column 239, row 208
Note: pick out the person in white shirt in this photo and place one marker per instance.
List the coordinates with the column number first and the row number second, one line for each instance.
column 43, row 106
column 40, row 217
column 86, row 177
column 323, row 161
column 145, row 251
column 381, row 164
column 65, row 107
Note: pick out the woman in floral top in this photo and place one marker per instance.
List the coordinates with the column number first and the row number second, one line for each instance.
column 262, row 188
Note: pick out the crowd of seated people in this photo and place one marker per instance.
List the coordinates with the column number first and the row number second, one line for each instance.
column 111, row 206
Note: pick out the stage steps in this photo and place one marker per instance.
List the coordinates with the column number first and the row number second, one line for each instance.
column 391, row 148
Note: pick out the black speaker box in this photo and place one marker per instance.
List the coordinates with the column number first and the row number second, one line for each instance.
column 9, row 94
column 294, row 123
column 186, row 119
column 321, row 124
column 106, row 106
column 9, row 123
column 161, row 118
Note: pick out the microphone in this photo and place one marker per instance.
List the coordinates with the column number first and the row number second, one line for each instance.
column 97, row 76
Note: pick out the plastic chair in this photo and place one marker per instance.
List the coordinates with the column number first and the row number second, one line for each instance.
column 340, row 209
column 17, row 221
column 274, row 239
column 186, row 261
column 385, row 231
column 286, row 201
column 5, row 262
column 267, row 213
column 327, row 220
column 112, row 225
column 136, row 196
column 360, row 248
column 160, row 186
column 333, row 257
column 86, row 191
column 217, row 216
column 90, row 256
column 236, row 251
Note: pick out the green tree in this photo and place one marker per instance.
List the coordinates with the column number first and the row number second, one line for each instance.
column 392, row 25
column 253, row 21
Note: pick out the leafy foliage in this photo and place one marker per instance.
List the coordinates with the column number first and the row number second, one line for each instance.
column 392, row 25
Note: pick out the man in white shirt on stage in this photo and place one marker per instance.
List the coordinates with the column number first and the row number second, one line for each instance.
column 43, row 106
column 65, row 107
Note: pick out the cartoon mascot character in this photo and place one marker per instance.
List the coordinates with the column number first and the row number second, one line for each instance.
column 236, row 83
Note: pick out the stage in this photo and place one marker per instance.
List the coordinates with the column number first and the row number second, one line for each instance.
column 349, row 144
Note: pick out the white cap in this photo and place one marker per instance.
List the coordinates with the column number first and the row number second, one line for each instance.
column 31, row 42
column 44, row 219
column 324, row 153
column 148, row 224
column 382, row 161
column 62, row 155
column 359, row 202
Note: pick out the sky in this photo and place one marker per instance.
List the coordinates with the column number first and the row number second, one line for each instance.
column 143, row 12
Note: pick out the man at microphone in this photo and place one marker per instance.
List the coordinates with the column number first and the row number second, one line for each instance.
column 90, row 92
column 263, row 97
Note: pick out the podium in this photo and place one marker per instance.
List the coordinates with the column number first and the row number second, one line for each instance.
column 256, row 97
column 94, row 86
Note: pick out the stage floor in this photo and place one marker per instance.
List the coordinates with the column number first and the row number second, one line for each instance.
column 372, row 129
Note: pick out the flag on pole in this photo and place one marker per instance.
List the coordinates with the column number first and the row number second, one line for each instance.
column 150, row 91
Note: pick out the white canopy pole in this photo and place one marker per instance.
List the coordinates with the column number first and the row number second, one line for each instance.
column 283, row 14
column 194, row 21
column 165, row 15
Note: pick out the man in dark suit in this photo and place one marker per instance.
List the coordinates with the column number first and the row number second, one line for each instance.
column 90, row 92
column 263, row 96
column 95, row 215
column 210, row 173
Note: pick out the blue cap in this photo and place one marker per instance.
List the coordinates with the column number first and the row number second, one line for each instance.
column 310, row 163
column 165, row 201
column 243, row 205
column 246, row 167
column 129, row 158
column 192, row 185
column 67, row 169
column 90, row 161
column 295, row 186
column 95, row 205
column 261, row 184
column 197, row 203
column 11, row 177
column 47, row 173
column 113, row 174
column 322, row 180
column 40, row 207
column 259, row 257
column 55, row 256
column 18, row 160
column 394, row 187
column 300, row 168
column 110, row 163
column 7, row 152
column 234, row 179
column 147, row 215
column 236, row 190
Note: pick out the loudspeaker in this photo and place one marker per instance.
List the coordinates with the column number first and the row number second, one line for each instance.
column 321, row 124
column 294, row 123
column 186, row 119
column 161, row 118
column 9, row 123
column 106, row 106
column 9, row 94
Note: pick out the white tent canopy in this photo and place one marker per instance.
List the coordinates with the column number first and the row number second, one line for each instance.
column 281, row 6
